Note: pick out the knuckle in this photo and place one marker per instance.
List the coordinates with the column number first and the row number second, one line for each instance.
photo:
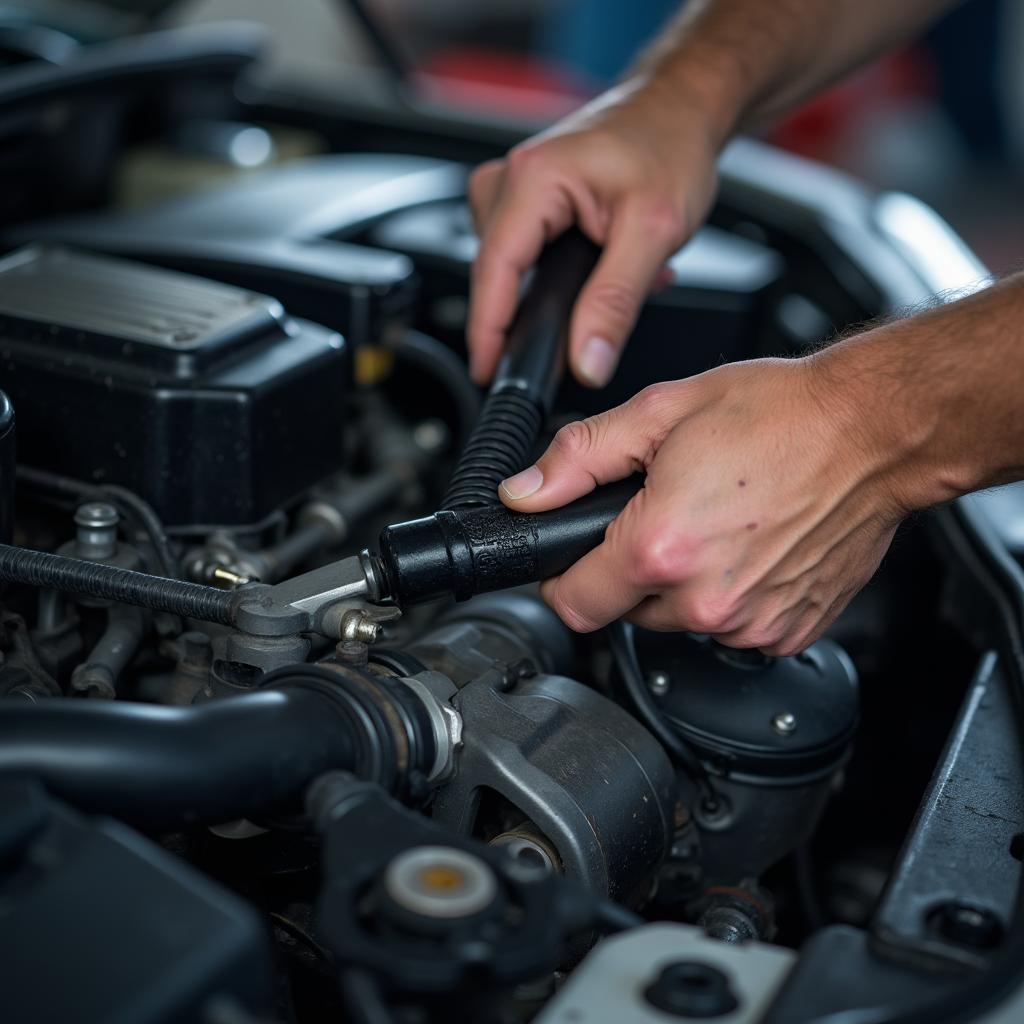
column 480, row 179
column 782, row 647
column 657, row 401
column 754, row 638
column 526, row 159
column 711, row 615
column 616, row 299
column 663, row 557
column 575, row 439
column 709, row 618
column 663, row 222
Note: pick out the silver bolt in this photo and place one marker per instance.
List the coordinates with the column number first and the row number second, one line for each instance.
column 96, row 515
column 659, row 683
column 96, row 536
column 357, row 625
column 784, row 723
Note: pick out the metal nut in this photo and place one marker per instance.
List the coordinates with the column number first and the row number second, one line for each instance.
column 784, row 723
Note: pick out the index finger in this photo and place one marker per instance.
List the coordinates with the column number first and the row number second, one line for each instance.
column 520, row 225
column 601, row 586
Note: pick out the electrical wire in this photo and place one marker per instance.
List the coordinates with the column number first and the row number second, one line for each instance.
column 620, row 634
column 134, row 508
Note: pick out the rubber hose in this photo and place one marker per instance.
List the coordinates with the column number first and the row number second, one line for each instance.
column 501, row 445
column 91, row 579
column 423, row 352
column 167, row 767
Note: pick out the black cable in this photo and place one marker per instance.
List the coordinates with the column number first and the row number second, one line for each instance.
column 299, row 934
column 150, row 523
column 93, row 579
column 425, row 353
column 620, row 634
column 130, row 504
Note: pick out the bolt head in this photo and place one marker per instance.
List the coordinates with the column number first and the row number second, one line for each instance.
column 784, row 723
column 96, row 515
column 659, row 683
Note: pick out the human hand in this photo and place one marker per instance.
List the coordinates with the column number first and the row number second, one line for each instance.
column 767, row 505
column 635, row 170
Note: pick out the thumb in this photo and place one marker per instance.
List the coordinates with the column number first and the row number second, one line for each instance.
column 610, row 446
column 640, row 239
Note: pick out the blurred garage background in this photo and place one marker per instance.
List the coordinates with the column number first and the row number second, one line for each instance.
column 943, row 119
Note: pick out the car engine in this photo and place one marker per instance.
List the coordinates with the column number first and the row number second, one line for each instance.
column 286, row 731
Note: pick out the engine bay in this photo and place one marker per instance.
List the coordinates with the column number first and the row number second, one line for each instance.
column 258, row 764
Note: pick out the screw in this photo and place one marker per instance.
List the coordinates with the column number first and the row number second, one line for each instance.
column 358, row 625
column 96, row 515
column 659, row 683
column 784, row 723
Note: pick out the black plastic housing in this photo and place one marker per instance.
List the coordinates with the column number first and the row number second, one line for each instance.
column 133, row 934
column 207, row 400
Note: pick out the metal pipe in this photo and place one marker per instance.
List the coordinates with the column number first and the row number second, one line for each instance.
column 99, row 674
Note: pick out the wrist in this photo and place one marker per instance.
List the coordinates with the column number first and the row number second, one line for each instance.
column 687, row 91
column 888, row 425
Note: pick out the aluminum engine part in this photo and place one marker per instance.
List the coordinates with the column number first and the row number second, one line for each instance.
column 580, row 770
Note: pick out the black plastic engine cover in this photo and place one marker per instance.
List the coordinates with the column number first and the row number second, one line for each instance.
column 99, row 925
column 205, row 399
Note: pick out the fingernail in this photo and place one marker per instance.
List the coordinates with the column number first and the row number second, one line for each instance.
column 522, row 485
column 597, row 361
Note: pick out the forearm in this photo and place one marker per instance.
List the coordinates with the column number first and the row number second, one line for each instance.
column 938, row 399
column 748, row 61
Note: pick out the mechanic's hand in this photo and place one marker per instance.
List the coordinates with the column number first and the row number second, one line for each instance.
column 768, row 504
column 635, row 170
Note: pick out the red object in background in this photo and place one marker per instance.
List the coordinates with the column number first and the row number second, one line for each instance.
column 818, row 128
column 521, row 86
column 515, row 85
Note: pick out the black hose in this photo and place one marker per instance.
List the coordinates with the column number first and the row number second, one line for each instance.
column 500, row 446
column 528, row 376
column 620, row 636
column 91, row 579
column 164, row 767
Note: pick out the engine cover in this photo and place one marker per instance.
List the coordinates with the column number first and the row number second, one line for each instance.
column 207, row 400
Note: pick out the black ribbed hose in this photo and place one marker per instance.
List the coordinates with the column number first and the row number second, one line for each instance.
column 92, row 579
column 527, row 378
column 500, row 446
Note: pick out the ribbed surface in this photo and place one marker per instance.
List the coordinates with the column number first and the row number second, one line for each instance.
column 500, row 446
column 57, row 572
